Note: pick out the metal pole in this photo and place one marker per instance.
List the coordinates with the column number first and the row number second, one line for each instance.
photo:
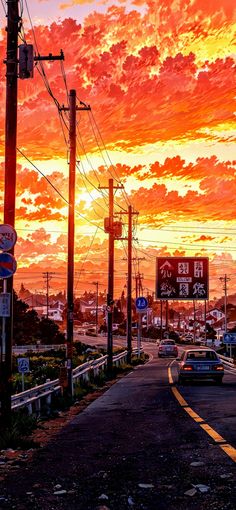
column 129, row 287
column 110, row 282
column 161, row 323
column 71, row 226
column 167, row 315
column 225, row 289
column 139, row 333
column 10, row 183
column 194, row 321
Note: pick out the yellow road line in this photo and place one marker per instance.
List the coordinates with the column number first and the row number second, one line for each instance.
column 231, row 452
column 217, row 438
column 193, row 415
column 179, row 397
column 170, row 376
column 226, row 447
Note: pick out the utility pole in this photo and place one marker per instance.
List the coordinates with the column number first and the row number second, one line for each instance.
column 129, row 284
column 13, row 26
column 47, row 275
column 10, row 189
column 72, row 108
column 225, row 279
column 96, row 284
column 110, row 228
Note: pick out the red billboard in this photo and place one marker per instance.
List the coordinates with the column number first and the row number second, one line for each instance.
column 182, row 278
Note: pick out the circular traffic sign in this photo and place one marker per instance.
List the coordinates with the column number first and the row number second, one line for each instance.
column 8, row 237
column 7, row 265
column 141, row 303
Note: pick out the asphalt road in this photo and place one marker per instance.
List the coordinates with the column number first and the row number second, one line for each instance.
column 145, row 444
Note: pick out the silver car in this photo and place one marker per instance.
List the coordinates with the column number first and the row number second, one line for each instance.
column 167, row 347
column 200, row 364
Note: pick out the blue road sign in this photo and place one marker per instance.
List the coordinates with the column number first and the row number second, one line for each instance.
column 23, row 365
column 230, row 338
column 141, row 304
column 7, row 265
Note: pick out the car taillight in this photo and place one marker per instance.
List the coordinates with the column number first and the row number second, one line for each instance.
column 218, row 367
column 187, row 367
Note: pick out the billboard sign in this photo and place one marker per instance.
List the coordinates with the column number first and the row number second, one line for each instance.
column 182, row 278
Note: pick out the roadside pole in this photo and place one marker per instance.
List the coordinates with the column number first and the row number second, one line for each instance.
column 129, row 282
column 141, row 307
column 139, row 333
column 72, row 108
column 10, row 187
column 110, row 229
column 70, row 261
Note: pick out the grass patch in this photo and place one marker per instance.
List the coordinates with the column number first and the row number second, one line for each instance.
column 16, row 435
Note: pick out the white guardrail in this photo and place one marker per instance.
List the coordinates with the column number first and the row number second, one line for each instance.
column 226, row 360
column 35, row 397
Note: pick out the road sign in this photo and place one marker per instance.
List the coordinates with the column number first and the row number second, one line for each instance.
column 7, row 265
column 5, row 302
column 229, row 338
column 182, row 278
column 23, row 365
column 141, row 304
column 8, row 237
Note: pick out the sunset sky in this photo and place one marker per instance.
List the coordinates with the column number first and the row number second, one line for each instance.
column 160, row 79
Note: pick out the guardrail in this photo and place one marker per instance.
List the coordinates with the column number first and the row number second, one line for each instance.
column 38, row 396
column 226, row 360
column 21, row 349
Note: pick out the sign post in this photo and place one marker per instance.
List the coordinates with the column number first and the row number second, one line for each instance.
column 141, row 307
column 23, row 368
column 8, row 266
column 229, row 339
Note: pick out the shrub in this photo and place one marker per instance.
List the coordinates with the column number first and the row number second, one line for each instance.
column 16, row 434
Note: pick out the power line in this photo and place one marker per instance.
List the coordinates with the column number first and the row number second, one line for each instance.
column 57, row 191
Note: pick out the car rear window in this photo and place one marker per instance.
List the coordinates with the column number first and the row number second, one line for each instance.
column 168, row 342
column 202, row 355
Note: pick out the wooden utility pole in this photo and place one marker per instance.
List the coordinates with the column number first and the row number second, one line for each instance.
column 71, row 227
column 96, row 284
column 110, row 293
column 129, row 288
column 13, row 24
column 130, row 213
column 47, row 275
column 72, row 108
column 225, row 279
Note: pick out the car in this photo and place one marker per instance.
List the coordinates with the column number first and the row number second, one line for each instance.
column 167, row 347
column 91, row 332
column 188, row 339
column 200, row 364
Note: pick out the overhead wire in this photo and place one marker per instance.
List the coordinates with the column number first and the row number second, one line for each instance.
column 117, row 178
column 56, row 189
